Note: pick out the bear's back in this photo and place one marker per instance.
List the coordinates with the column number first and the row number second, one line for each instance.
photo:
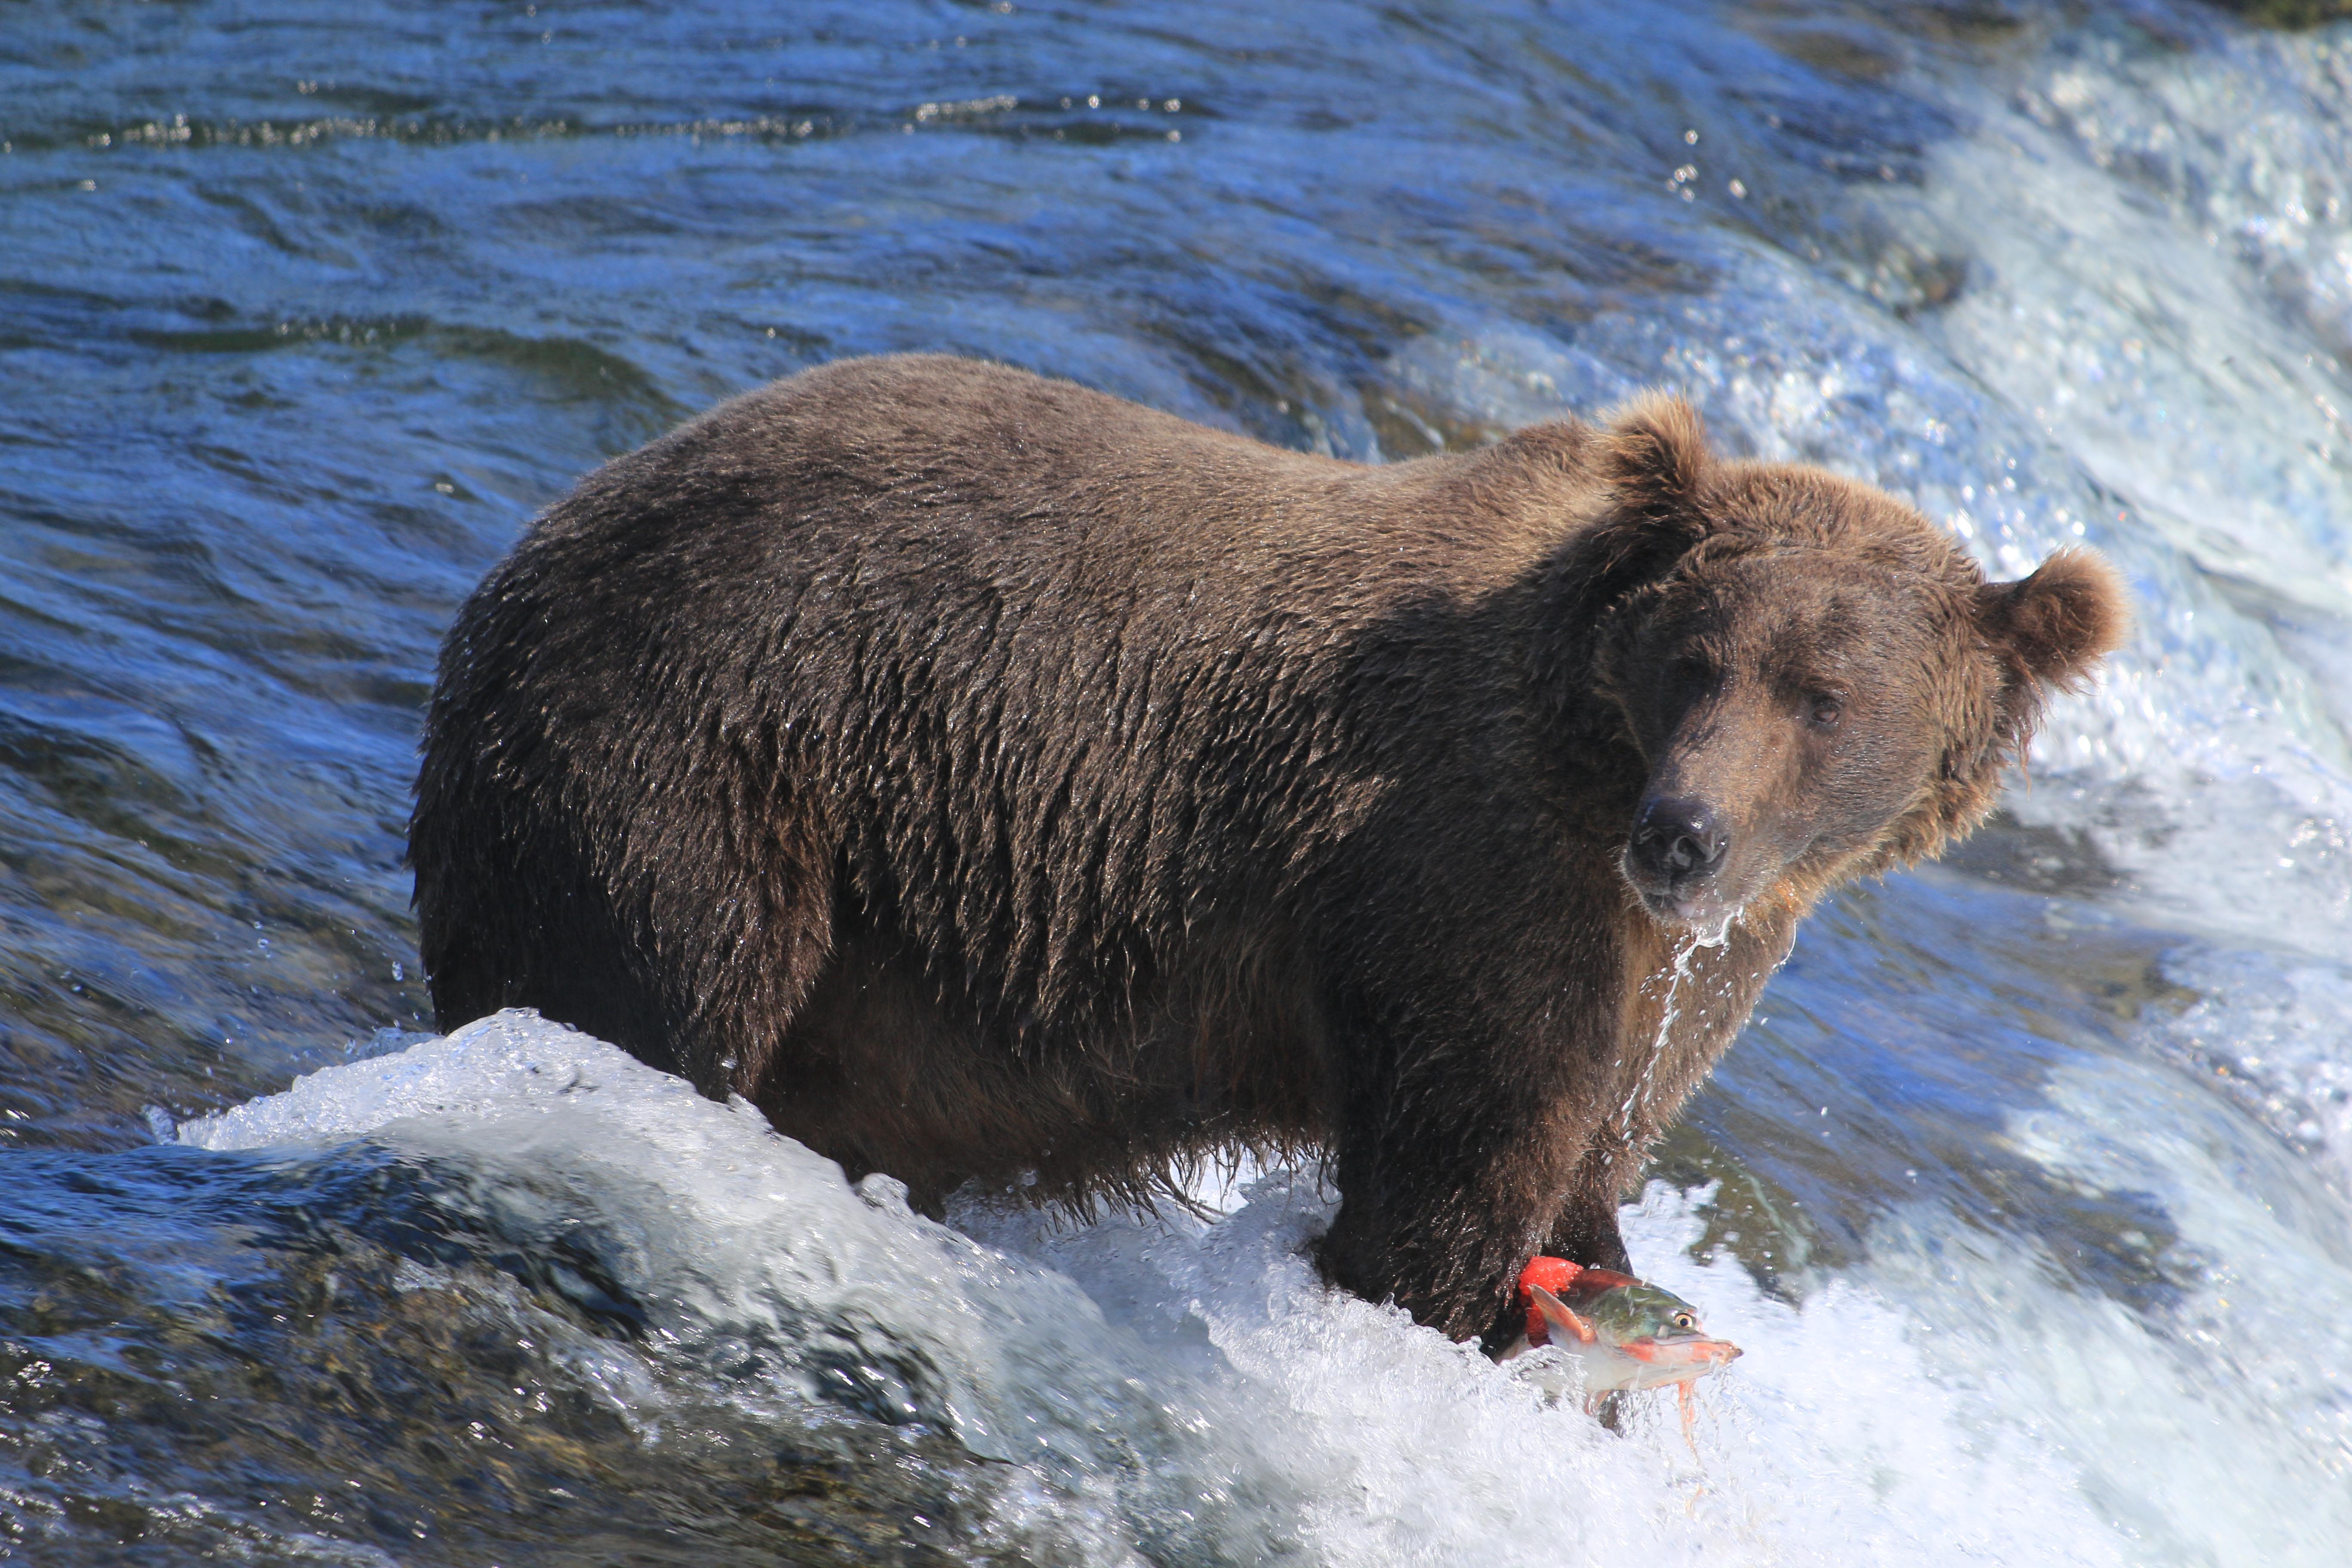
column 1031, row 674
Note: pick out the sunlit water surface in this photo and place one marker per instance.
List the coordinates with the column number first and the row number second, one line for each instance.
column 2026, row 1192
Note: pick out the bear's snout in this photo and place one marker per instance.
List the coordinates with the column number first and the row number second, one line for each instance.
column 1677, row 843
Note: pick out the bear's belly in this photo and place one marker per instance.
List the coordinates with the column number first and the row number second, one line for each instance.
column 884, row 1071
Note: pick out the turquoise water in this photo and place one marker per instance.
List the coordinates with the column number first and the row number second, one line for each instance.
column 2027, row 1191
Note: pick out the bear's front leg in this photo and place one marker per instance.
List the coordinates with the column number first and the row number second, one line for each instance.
column 1585, row 1231
column 1452, row 1164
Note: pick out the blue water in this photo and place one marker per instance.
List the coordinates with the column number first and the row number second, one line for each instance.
column 2026, row 1190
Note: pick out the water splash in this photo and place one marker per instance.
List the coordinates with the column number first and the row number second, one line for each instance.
column 1126, row 1375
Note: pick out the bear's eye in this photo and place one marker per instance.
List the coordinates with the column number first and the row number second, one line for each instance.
column 1824, row 711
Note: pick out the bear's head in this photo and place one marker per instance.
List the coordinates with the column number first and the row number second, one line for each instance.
column 1819, row 683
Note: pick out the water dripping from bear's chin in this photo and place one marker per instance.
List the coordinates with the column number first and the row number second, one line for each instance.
column 1686, row 951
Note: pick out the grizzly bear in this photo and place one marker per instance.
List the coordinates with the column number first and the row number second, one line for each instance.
column 994, row 781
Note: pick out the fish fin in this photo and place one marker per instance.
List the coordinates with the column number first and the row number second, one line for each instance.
column 1556, row 1316
column 1553, row 1274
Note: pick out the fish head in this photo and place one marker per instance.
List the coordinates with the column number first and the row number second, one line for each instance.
column 1659, row 1332
column 1625, row 1308
column 1628, row 1333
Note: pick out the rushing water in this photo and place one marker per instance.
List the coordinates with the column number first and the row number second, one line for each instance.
column 2026, row 1192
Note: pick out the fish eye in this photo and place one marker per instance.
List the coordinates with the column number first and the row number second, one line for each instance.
column 1686, row 1321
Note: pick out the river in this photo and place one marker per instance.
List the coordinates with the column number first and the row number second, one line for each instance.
column 2027, row 1192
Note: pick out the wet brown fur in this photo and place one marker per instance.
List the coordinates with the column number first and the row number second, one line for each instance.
column 989, row 777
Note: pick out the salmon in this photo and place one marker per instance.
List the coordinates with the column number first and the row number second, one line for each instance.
column 1622, row 1333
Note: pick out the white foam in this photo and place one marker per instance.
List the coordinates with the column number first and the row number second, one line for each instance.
column 2214, row 1422
column 1186, row 1388
column 745, row 1248
column 2270, row 1030
column 2136, row 220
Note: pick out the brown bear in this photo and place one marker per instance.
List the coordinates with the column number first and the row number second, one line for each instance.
column 997, row 782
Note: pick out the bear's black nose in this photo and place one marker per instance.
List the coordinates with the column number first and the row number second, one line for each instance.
column 1679, row 840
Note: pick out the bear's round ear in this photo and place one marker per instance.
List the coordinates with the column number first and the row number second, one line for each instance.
column 1654, row 453
column 2058, row 623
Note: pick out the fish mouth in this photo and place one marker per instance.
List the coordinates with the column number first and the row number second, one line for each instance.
column 1654, row 1364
